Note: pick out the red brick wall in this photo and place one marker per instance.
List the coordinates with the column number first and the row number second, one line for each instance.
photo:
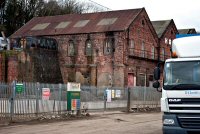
column 8, row 67
column 106, row 68
column 100, row 69
column 12, row 68
column 170, row 34
column 2, row 67
column 141, row 30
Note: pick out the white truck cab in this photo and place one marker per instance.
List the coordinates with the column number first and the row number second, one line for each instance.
column 180, row 102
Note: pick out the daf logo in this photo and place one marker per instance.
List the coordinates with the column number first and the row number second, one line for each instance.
column 174, row 100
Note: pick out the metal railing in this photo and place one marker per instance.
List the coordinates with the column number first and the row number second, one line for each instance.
column 147, row 54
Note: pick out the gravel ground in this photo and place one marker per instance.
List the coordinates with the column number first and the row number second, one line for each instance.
column 98, row 123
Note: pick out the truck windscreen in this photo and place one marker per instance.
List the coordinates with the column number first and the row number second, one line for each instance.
column 182, row 73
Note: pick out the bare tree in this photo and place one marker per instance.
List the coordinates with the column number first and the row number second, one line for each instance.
column 18, row 12
column 72, row 6
column 49, row 9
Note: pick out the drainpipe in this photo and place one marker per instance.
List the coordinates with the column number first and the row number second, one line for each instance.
column 158, row 51
column 6, row 67
column 113, row 59
column 128, row 41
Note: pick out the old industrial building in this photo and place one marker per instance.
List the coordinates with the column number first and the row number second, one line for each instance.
column 115, row 48
column 166, row 31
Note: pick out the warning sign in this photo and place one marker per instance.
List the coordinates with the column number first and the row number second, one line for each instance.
column 75, row 104
column 45, row 93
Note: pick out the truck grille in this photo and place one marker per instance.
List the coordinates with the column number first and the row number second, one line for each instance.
column 184, row 105
column 190, row 122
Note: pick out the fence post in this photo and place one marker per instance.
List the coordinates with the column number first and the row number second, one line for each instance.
column 12, row 101
column 59, row 97
column 37, row 98
column 128, row 100
column 105, row 98
column 144, row 100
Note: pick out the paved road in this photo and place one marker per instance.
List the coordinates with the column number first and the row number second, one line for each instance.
column 118, row 123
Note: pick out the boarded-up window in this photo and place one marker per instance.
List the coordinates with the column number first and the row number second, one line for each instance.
column 142, row 49
column 152, row 52
column 47, row 43
column 162, row 54
column 130, row 80
column 141, row 81
column 150, row 81
column 88, row 48
column 108, row 47
column 131, row 47
column 138, row 32
column 71, row 48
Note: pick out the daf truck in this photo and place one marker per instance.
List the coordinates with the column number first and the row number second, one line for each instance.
column 180, row 102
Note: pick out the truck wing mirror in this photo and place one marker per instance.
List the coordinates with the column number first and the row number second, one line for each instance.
column 157, row 73
column 156, row 84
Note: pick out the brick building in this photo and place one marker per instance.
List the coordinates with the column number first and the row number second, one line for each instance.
column 166, row 31
column 115, row 48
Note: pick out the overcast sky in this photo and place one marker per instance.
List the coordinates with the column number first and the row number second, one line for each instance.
column 185, row 13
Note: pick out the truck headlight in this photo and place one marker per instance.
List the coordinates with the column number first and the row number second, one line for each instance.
column 168, row 122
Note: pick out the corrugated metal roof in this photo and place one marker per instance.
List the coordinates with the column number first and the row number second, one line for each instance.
column 160, row 26
column 79, row 23
column 187, row 31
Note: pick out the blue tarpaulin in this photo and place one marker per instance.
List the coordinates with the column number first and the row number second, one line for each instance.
column 186, row 35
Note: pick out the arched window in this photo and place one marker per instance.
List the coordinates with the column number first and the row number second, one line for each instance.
column 108, row 47
column 71, row 48
column 88, row 48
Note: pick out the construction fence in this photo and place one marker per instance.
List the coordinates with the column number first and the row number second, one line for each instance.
column 29, row 102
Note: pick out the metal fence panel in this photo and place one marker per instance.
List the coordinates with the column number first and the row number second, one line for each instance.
column 5, row 91
column 29, row 104
column 145, row 97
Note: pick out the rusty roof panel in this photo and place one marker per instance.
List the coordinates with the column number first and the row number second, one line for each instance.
column 79, row 23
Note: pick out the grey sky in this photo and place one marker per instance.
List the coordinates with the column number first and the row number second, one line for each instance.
column 186, row 13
